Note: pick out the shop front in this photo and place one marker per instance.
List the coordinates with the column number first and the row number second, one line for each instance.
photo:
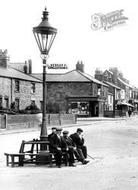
column 85, row 107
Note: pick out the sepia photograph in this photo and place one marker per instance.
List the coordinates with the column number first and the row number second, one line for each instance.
column 68, row 95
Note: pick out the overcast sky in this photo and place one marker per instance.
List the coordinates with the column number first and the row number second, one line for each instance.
column 75, row 39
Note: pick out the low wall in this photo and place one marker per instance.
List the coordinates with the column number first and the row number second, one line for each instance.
column 118, row 113
column 35, row 120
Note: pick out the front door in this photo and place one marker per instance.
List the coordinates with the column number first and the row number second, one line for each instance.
column 94, row 109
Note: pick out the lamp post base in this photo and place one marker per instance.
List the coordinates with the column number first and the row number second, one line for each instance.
column 43, row 146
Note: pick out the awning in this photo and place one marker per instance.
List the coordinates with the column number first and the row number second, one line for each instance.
column 125, row 104
column 84, row 98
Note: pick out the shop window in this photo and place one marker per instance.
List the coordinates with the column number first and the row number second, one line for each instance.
column 80, row 108
column 74, row 105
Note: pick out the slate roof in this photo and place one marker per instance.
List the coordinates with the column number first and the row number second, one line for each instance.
column 71, row 76
column 111, row 84
column 16, row 74
column 91, row 78
column 126, row 84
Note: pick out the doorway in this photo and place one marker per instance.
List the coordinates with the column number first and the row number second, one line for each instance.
column 94, row 108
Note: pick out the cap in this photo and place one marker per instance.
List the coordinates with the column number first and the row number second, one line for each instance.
column 53, row 128
column 79, row 129
column 59, row 129
column 65, row 132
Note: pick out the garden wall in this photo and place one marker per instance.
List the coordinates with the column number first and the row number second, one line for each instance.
column 118, row 113
column 35, row 120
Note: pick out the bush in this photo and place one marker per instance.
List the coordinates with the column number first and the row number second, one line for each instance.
column 31, row 109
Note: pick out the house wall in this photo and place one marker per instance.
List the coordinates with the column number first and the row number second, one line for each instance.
column 7, row 89
column 58, row 92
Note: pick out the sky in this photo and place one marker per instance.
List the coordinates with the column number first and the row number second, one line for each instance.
column 75, row 39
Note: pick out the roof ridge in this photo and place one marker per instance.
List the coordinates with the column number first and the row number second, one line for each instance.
column 70, row 71
column 83, row 75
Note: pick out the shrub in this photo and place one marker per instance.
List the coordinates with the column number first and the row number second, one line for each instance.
column 32, row 108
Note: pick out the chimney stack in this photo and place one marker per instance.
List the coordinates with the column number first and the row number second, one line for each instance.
column 4, row 58
column 30, row 66
column 25, row 67
column 80, row 66
column 98, row 74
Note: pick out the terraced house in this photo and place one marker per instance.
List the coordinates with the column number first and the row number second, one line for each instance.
column 121, row 94
column 17, row 85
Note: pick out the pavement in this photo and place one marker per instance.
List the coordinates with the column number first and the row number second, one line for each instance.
column 80, row 122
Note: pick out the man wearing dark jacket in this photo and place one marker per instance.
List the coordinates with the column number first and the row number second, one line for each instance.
column 78, row 140
column 53, row 132
column 69, row 149
column 56, row 146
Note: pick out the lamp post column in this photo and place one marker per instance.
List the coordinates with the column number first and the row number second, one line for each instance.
column 43, row 135
column 44, row 35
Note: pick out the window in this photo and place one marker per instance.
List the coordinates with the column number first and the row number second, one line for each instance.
column 32, row 87
column 17, row 103
column 33, row 102
column 17, row 86
column 80, row 108
column 99, row 91
column 0, row 101
column 41, row 105
column 6, row 102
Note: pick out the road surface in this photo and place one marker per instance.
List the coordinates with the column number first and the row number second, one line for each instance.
column 113, row 144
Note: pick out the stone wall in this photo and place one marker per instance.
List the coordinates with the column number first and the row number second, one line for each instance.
column 7, row 89
column 58, row 92
column 35, row 120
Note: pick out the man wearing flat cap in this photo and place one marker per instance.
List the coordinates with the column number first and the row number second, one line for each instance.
column 53, row 132
column 78, row 140
column 57, row 144
column 69, row 148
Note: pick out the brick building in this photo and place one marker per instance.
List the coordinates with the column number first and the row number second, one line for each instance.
column 18, row 86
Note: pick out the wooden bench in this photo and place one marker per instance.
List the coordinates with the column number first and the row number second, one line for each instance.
column 31, row 156
column 34, row 155
column 11, row 159
column 42, row 157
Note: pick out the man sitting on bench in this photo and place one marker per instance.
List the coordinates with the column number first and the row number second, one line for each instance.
column 56, row 146
column 69, row 149
column 78, row 140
